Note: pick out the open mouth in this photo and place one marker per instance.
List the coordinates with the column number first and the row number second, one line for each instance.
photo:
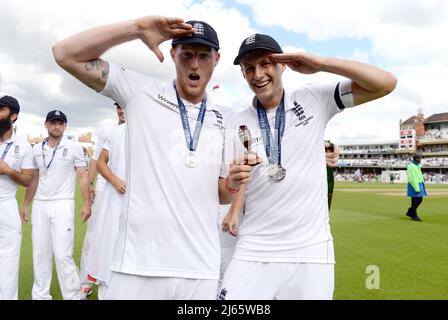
column 194, row 77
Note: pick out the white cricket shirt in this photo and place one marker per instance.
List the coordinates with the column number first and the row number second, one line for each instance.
column 115, row 145
column 59, row 180
column 103, row 138
column 168, row 224
column 288, row 221
column 19, row 156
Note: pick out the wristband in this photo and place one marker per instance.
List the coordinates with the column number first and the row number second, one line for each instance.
column 228, row 188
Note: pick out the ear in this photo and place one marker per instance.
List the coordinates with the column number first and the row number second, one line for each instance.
column 172, row 52
column 14, row 117
column 282, row 66
column 242, row 71
column 217, row 58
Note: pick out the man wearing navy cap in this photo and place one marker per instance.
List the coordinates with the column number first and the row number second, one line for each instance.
column 168, row 246
column 16, row 168
column 57, row 161
column 285, row 247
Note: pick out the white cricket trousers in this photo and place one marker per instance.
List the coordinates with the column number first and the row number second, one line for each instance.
column 252, row 280
column 10, row 241
column 133, row 287
column 87, row 243
column 52, row 225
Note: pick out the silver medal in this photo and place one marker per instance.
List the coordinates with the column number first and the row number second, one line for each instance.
column 277, row 173
column 191, row 160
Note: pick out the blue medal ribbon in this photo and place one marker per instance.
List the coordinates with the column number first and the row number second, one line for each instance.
column 5, row 152
column 192, row 142
column 43, row 154
column 280, row 119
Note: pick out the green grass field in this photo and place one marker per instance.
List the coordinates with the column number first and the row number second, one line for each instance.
column 369, row 228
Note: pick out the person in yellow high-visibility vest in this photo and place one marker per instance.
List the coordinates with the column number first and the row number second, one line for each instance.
column 416, row 186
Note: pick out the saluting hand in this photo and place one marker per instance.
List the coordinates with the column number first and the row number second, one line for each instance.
column 302, row 62
column 156, row 29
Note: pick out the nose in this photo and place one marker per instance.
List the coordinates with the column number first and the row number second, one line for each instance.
column 195, row 62
column 258, row 72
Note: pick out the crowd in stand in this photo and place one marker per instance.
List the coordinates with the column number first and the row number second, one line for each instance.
column 382, row 162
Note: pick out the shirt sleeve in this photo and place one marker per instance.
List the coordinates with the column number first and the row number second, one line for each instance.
column 79, row 156
column 101, row 141
column 122, row 84
column 333, row 98
column 28, row 158
column 107, row 146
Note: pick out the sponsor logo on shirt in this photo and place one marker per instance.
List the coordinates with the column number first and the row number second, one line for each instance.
column 64, row 153
column 300, row 114
column 16, row 151
column 168, row 102
column 218, row 115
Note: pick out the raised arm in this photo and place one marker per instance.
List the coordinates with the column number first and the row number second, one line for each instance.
column 368, row 82
column 80, row 54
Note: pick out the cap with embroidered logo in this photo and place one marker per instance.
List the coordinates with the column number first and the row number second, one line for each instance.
column 257, row 42
column 56, row 114
column 203, row 34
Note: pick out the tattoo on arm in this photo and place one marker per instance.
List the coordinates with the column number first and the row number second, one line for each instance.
column 100, row 66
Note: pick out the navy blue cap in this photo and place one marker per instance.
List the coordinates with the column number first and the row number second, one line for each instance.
column 204, row 34
column 56, row 114
column 8, row 101
column 257, row 42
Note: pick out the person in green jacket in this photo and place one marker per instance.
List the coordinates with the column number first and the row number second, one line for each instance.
column 416, row 186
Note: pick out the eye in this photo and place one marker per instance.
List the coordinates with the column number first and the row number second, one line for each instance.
column 204, row 55
column 249, row 69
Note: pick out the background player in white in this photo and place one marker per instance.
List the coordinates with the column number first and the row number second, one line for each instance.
column 16, row 168
column 110, row 165
column 58, row 161
column 168, row 246
column 285, row 248
column 96, row 199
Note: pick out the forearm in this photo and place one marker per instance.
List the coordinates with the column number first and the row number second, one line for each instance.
column 84, row 187
column 225, row 197
column 104, row 170
column 92, row 171
column 238, row 202
column 20, row 178
column 91, row 44
column 371, row 79
column 31, row 190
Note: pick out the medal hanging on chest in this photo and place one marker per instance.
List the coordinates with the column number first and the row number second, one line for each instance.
column 191, row 159
column 276, row 172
